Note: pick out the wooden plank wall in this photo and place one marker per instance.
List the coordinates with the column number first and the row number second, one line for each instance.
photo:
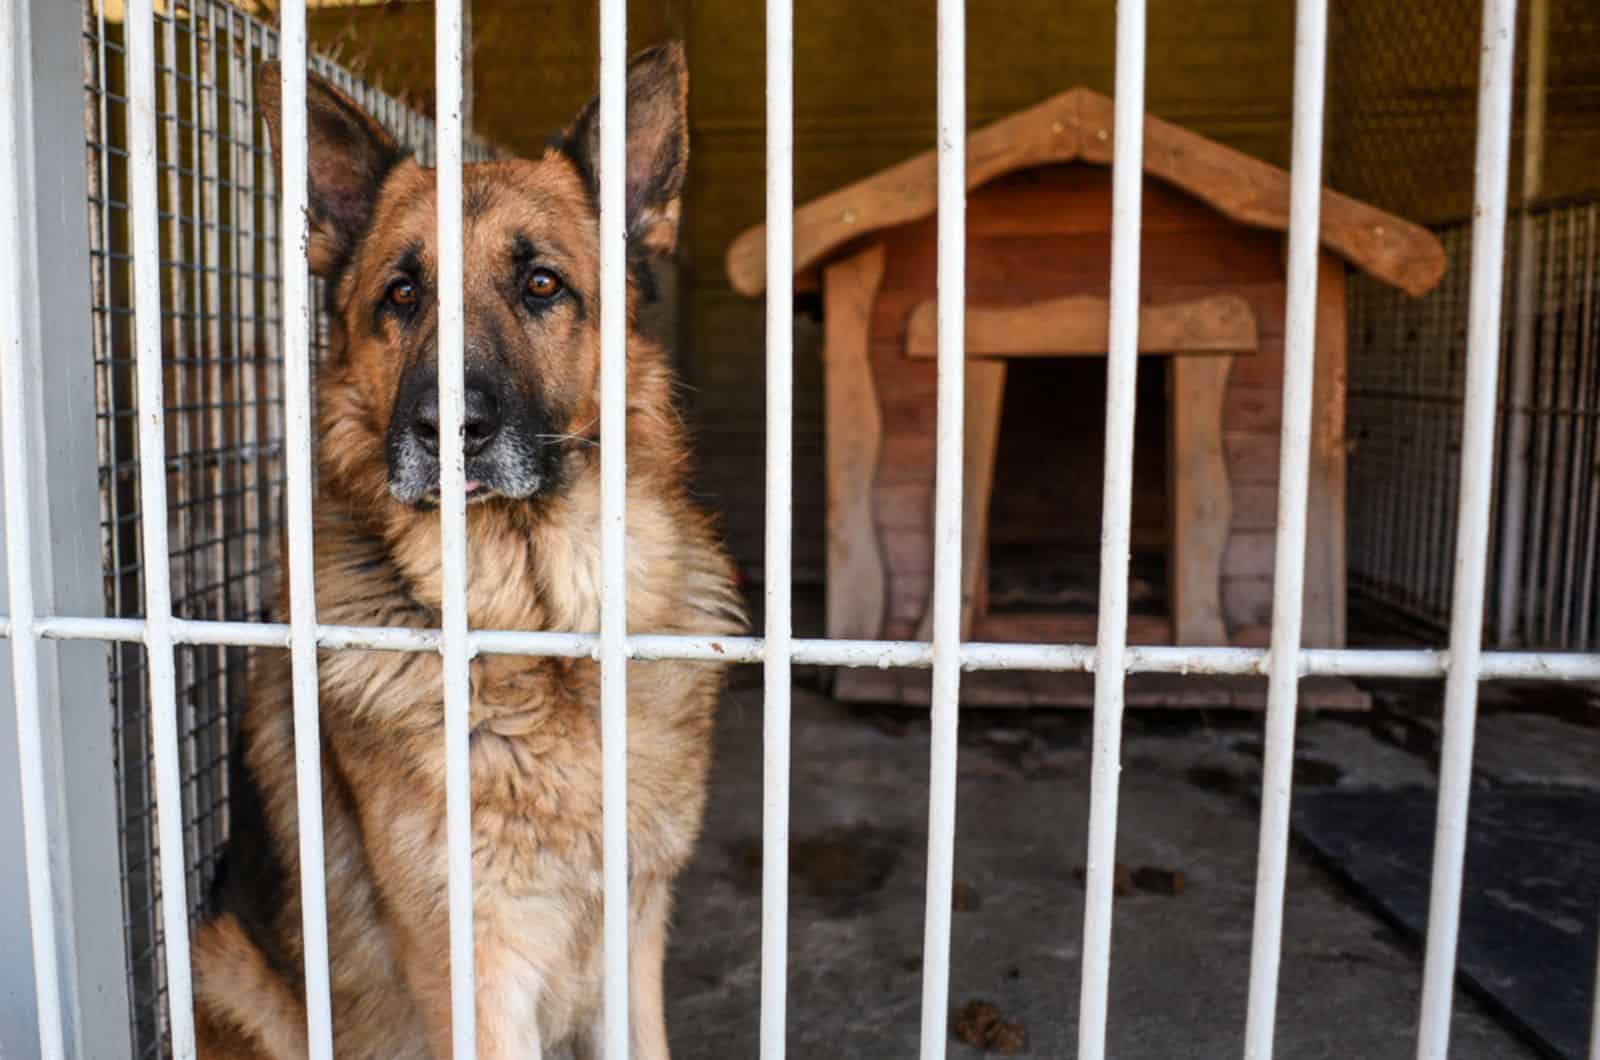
column 1045, row 233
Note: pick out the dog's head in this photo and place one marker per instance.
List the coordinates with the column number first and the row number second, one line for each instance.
column 530, row 275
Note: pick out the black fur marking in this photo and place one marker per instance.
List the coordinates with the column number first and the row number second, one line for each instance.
column 570, row 145
column 477, row 198
column 523, row 251
column 251, row 882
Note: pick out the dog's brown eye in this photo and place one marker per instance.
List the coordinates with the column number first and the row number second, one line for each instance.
column 543, row 284
column 402, row 293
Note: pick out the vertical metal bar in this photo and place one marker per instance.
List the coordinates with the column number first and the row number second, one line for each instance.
column 1563, row 362
column 613, row 516
column 294, row 205
column 228, row 477
column 45, row 309
column 952, row 275
column 100, row 280
column 1580, row 439
column 213, row 467
column 1513, row 505
column 1429, row 519
column 191, row 266
column 143, row 205
column 453, row 526
column 1472, row 530
column 1294, row 462
column 251, row 348
column 1580, row 464
column 780, row 526
column 1127, row 176
column 180, row 356
column 1430, row 559
column 1545, row 358
column 1591, row 545
column 1594, row 1015
column 19, row 553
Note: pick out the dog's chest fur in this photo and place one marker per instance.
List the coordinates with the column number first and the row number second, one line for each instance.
column 535, row 762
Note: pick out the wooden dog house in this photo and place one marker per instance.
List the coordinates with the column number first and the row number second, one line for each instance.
column 1038, row 262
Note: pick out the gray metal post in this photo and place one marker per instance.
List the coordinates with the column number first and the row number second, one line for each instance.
column 1514, row 500
column 74, row 679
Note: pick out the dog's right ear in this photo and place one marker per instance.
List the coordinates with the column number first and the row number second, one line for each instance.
column 348, row 156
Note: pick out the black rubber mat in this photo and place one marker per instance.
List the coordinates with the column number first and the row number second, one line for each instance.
column 1529, row 904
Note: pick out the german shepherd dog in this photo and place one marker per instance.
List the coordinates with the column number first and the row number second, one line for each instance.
column 532, row 372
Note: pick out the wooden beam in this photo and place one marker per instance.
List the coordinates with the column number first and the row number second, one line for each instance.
column 1047, row 132
column 1200, row 499
column 1077, row 126
column 1256, row 193
column 856, row 587
column 1078, row 326
column 986, row 388
column 1325, row 512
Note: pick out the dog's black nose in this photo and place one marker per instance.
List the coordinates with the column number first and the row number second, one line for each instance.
column 479, row 426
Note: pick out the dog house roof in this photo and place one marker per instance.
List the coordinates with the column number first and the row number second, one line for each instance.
column 1076, row 126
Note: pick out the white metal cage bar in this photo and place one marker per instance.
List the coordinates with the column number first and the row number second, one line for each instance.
column 1417, row 663
column 946, row 646
column 160, row 660
column 1472, row 534
column 453, row 524
column 19, row 550
column 1288, row 585
column 293, row 204
column 778, row 576
column 1127, row 184
column 613, row 517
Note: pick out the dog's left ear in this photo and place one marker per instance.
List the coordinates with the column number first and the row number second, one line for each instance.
column 348, row 156
column 657, row 144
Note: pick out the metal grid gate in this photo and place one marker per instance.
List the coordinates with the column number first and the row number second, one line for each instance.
column 174, row 593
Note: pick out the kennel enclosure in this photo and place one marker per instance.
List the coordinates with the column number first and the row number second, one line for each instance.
column 67, row 952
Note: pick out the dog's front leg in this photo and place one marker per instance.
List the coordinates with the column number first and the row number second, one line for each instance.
column 425, row 965
column 506, row 1006
column 647, row 1016
column 648, row 1006
column 510, row 989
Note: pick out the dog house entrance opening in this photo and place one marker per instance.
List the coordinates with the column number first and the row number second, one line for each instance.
column 1044, row 514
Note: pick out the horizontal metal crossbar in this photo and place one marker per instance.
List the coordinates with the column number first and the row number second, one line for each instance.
column 1396, row 663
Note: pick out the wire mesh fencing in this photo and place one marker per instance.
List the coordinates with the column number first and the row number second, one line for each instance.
column 1407, row 379
column 1402, row 107
column 224, row 394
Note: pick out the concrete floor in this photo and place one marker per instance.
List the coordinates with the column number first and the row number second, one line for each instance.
column 1350, row 985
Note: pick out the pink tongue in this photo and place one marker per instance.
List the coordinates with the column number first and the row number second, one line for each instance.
column 472, row 485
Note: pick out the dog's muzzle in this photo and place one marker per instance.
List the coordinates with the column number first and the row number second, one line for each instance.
column 500, row 436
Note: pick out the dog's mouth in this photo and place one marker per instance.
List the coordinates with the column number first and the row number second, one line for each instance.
column 476, row 492
column 482, row 485
column 513, row 469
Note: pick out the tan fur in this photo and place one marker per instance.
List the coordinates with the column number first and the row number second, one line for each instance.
column 535, row 752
